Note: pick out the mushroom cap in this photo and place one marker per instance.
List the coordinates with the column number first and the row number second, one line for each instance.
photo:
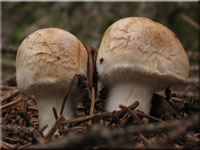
column 49, row 57
column 140, row 48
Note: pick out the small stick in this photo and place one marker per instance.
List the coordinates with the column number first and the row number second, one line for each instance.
column 80, row 119
column 95, row 52
column 177, row 99
column 33, row 108
column 90, row 67
column 25, row 146
column 115, row 117
column 24, row 111
column 98, row 115
column 67, row 94
column 24, row 107
column 190, row 21
column 39, row 137
column 145, row 139
column 11, row 96
column 56, row 117
column 86, row 118
column 13, row 139
column 11, row 103
column 94, row 49
column 196, row 134
column 147, row 116
column 123, row 123
column 5, row 145
column 92, row 104
column 140, row 145
column 124, row 119
column 132, row 113
column 132, row 106
column 55, row 113
column 16, row 146
column 74, row 129
column 54, row 127
column 90, row 74
column 33, row 115
column 43, row 128
column 176, row 146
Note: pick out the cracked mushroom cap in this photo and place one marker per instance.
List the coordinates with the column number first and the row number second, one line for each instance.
column 48, row 57
column 140, row 48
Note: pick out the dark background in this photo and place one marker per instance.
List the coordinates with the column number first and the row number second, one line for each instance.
column 89, row 20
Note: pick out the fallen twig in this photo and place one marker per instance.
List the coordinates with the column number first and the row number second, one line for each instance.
column 5, row 145
column 43, row 128
column 80, row 119
column 39, row 137
column 124, row 120
column 146, row 141
column 98, row 115
column 90, row 67
column 99, row 135
column 132, row 113
column 67, row 94
column 92, row 104
column 54, row 128
column 147, row 116
column 177, row 99
column 79, row 128
column 55, row 113
column 11, row 103
column 24, row 146
column 10, row 96
column 190, row 21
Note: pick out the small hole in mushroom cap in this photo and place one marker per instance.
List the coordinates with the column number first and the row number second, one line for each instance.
column 58, row 58
column 101, row 60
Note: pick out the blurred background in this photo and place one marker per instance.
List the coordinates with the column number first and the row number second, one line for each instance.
column 89, row 20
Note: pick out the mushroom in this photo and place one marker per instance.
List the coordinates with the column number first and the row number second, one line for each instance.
column 137, row 57
column 47, row 60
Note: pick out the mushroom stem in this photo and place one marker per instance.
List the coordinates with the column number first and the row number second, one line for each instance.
column 46, row 115
column 127, row 92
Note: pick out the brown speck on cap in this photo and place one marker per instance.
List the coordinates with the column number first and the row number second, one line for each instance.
column 101, row 60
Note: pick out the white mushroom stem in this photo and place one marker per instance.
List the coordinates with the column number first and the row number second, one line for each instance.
column 127, row 92
column 45, row 105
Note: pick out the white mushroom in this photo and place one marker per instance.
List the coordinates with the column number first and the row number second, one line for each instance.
column 46, row 63
column 137, row 57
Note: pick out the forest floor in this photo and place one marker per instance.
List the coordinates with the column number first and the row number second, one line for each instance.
column 174, row 121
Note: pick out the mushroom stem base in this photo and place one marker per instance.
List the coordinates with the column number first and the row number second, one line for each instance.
column 127, row 92
column 45, row 109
